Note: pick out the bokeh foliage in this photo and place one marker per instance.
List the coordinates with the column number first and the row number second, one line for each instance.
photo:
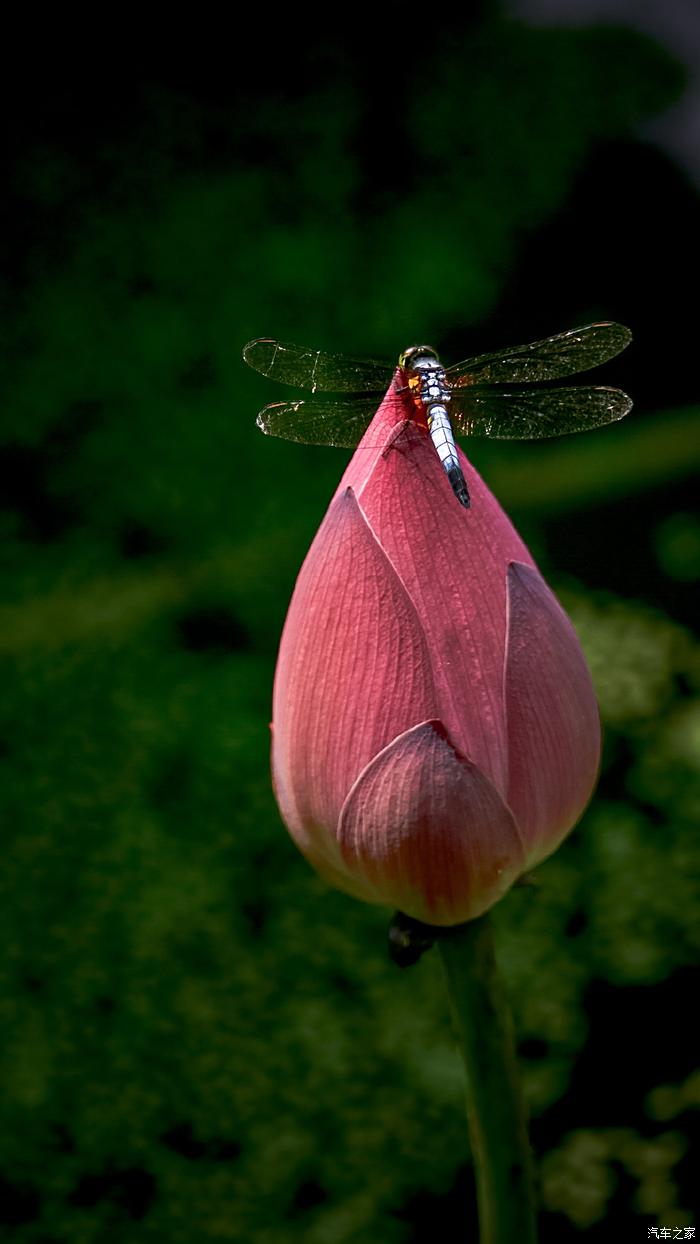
column 200, row 1042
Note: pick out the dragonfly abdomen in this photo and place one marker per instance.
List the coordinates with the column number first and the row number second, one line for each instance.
column 435, row 395
column 441, row 435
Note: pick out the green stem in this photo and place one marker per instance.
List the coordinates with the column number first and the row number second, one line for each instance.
column 495, row 1109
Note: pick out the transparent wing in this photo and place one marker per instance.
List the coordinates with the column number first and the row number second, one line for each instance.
column 314, row 369
column 529, row 414
column 319, row 421
column 562, row 355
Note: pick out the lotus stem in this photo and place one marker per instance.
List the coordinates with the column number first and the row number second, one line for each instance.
column 495, row 1109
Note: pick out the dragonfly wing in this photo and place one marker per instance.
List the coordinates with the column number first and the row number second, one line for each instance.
column 530, row 414
column 562, row 355
column 335, row 421
column 315, row 369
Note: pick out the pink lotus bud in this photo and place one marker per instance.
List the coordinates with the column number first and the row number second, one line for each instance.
column 435, row 729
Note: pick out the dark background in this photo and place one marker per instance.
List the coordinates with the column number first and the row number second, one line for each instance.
column 200, row 1041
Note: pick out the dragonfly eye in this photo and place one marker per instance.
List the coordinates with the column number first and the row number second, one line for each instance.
column 418, row 357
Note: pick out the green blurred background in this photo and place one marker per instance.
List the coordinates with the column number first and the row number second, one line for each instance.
column 200, row 1041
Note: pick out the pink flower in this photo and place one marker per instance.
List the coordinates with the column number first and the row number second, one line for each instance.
column 435, row 729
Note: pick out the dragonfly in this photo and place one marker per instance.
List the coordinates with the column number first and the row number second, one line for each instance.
column 488, row 395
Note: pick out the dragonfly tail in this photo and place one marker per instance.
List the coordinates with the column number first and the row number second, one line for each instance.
column 459, row 485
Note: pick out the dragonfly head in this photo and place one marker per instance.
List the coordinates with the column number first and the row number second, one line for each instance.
column 418, row 358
